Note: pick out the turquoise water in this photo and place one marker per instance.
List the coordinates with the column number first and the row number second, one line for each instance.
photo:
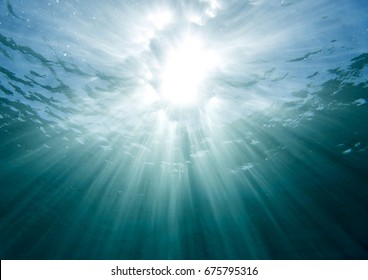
column 183, row 129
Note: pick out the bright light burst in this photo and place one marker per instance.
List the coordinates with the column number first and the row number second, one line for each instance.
column 186, row 68
column 161, row 19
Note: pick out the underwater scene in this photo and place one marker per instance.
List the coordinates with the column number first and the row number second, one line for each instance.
column 188, row 129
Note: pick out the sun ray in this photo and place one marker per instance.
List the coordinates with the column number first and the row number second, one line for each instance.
column 186, row 68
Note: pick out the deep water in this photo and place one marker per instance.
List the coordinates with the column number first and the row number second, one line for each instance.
column 98, row 161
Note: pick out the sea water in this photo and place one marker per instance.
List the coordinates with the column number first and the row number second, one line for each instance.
column 198, row 129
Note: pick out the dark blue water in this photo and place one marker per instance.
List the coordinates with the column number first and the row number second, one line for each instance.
column 183, row 129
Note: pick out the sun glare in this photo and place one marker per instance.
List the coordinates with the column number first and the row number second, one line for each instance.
column 186, row 68
column 161, row 19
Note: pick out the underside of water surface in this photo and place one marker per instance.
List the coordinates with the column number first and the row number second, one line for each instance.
column 198, row 129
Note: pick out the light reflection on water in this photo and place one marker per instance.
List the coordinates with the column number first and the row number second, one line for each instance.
column 267, row 161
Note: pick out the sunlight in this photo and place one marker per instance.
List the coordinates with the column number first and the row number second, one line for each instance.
column 185, row 71
column 161, row 19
